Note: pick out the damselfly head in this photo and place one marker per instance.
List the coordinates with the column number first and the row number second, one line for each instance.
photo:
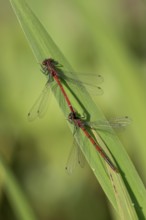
column 45, row 62
column 51, row 63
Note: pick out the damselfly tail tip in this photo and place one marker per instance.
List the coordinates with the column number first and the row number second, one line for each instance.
column 115, row 169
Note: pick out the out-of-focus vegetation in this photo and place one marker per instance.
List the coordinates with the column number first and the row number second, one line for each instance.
column 36, row 152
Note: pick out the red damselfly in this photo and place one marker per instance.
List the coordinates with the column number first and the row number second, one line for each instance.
column 79, row 122
column 54, row 72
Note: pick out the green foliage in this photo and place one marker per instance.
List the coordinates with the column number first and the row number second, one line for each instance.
column 125, row 190
column 15, row 195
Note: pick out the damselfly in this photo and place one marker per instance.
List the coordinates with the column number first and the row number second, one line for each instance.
column 54, row 72
column 80, row 123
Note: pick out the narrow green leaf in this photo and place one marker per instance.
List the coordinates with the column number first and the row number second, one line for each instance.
column 118, row 59
column 44, row 47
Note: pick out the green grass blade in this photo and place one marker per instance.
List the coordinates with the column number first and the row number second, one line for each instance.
column 125, row 207
column 43, row 47
column 14, row 194
column 117, row 59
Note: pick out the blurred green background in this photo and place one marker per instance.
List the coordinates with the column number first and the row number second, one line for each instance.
column 37, row 152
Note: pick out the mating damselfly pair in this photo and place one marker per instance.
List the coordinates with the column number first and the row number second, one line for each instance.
column 54, row 72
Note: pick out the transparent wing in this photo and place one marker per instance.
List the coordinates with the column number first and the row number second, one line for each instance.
column 90, row 81
column 90, row 78
column 75, row 157
column 40, row 106
column 81, row 158
column 120, row 122
column 117, row 123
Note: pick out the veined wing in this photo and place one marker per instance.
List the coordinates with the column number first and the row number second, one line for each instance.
column 90, row 81
column 117, row 123
column 40, row 106
column 75, row 157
